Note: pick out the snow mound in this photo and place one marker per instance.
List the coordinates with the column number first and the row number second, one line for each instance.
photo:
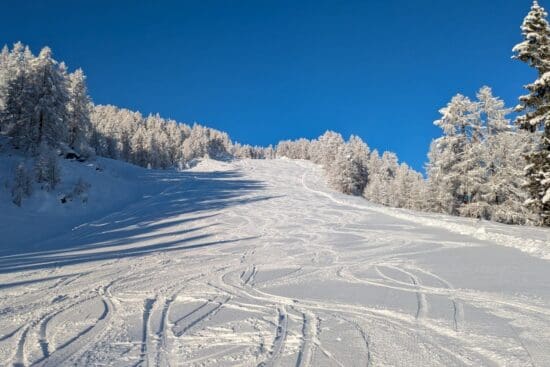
column 209, row 165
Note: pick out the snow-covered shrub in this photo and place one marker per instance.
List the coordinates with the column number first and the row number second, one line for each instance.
column 81, row 187
column 479, row 210
column 47, row 168
column 80, row 190
column 22, row 184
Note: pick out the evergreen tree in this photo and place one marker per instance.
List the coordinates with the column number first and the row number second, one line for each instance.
column 345, row 173
column 493, row 112
column 4, row 79
column 383, row 171
column 17, row 95
column 139, row 147
column 78, row 109
column 323, row 150
column 360, row 153
column 49, row 97
column 504, row 189
column 454, row 158
column 535, row 51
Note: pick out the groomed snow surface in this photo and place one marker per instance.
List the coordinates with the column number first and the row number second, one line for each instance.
column 258, row 263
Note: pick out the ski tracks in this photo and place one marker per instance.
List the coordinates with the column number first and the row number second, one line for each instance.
column 199, row 314
column 38, row 330
column 279, row 341
column 309, row 339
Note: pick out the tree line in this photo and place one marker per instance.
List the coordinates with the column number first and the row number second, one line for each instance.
column 484, row 165
column 46, row 112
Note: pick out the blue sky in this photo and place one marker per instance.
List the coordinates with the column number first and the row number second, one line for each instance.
column 270, row 70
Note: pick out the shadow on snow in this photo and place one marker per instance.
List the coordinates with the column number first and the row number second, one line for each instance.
column 161, row 223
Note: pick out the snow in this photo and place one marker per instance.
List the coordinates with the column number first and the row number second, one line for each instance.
column 114, row 185
column 546, row 197
column 258, row 262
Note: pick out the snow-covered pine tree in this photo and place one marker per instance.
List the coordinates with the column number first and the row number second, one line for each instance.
column 156, row 142
column 372, row 189
column 345, row 172
column 323, row 150
column 501, row 196
column 4, row 79
column 382, row 172
column 17, row 95
column 535, row 51
column 478, row 162
column 139, row 144
column 48, row 121
column 219, row 145
column 407, row 188
column 297, row 149
column 78, row 109
column 360, row 152
column 453, row 156
column 493, row 112
column 196, row 145
column 175, row 140
column 504, row 189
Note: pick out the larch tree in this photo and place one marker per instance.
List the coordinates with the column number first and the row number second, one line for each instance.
column 50, row 96
column 480, row 162
column 323, row 150
column 345, row 172
column 452, row 156
column 360, row 152
column 4, row 79
column 78, row 109
column 16, row 91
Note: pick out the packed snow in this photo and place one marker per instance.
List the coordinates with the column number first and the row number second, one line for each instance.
column 259, row 263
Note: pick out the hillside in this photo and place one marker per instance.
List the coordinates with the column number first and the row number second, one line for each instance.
column 258, row 262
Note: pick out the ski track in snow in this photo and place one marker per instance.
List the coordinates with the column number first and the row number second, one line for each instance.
column 259, row 263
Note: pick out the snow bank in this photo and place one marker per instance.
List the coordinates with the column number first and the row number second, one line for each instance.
column 519, row 237
column 113, row 185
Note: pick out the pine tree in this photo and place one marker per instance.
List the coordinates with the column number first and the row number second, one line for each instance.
column 408, row 188
column 345, row 173
column 17, row 95
column 500, row 195
column 493, row 111
column 5, row 75
column 504, row 189
column 454, row 158
column 78, row 109
column 323, row 150
column 535, row 51
column 36, row 103
column 360, row 153
column 382, row 172
column 139, row 143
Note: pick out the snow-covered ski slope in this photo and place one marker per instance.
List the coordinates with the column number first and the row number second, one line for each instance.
column 258, row 263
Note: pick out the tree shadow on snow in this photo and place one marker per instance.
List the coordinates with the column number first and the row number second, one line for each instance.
column 182, row 217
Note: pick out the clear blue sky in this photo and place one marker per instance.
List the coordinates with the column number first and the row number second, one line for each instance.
column 270, row 70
